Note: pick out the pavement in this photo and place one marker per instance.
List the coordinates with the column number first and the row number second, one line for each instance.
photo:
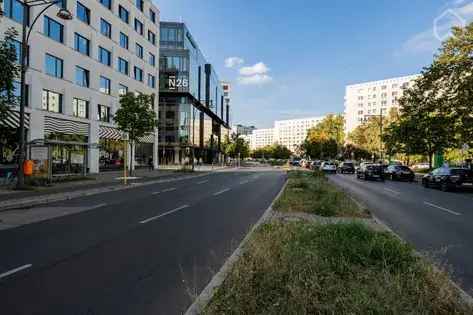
column 438, row 224
column 146, row 250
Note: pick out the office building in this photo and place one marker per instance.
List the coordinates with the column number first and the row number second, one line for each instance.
column 243, row 130
column 77, row 71
column 365, row 100
column 293, row 132
column 194, row 117
column 261, row 138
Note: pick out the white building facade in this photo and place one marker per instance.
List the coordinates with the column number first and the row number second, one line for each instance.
column 293, row 132
column 261, row 138
column 376, row 98
column 77, row 71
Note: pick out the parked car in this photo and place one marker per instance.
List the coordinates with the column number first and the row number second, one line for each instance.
column 328, row 167
column 447, row 178
column 347, row 168
column 296, row 162
column 399, row 172
column 421, row 166
column 316, row 165
column 369, row 171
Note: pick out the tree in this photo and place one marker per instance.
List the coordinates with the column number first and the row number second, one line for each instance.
column 236, row 147
column 10, row 70
column 325, row 139
column 136, row 117
column 275, row 151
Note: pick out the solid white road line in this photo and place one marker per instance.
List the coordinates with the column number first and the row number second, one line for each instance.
column 221, row 192
column 6, row 274
column 442, row 208
column 164, row 214
column 392, row 191
column 203, row 182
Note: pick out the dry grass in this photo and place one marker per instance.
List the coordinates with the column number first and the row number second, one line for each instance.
column 305, row 268
column 311, row 192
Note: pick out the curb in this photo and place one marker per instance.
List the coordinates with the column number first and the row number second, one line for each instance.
column 207, row 294
column 29, row 202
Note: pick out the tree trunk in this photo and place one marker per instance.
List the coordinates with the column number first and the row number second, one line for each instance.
column 131, row 159
column 430, row 160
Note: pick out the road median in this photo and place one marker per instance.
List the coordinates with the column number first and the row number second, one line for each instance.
column 321, row 253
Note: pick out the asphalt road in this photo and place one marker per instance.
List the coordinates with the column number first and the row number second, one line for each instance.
column 148, row 250
column 439, row 224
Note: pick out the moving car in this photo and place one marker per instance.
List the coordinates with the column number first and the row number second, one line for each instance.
column 399, row 172
column 447, row 178
column 347, row 168
column 328, row 167
column 369, row 171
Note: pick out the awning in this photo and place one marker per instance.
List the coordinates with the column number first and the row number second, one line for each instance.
column 13, row 120
column 110, row 133
column 55, row 125
column 149, row 138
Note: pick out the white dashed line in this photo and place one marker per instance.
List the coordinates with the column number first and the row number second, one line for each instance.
column 203, row 182
column 442, row 208
column 164, row 214
column 156, row 193
column 221, row 192
column 169, row 190
column 244, row 182
column 6, row 274
column 392, row 191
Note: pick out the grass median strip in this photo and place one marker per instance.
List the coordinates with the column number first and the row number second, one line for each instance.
column 311, row 192
column 308, row 268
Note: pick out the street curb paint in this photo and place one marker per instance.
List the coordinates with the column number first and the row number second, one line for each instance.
column 207, row 294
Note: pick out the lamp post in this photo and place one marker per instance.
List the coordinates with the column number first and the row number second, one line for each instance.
column 25, row 34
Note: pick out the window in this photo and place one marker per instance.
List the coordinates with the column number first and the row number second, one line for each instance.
column 122, row 89
column 138, row 27
column 103, row 113
column 51, row 101
column 82, row 77
column 139, row 50
column 123, row 40
column 123, row 66
column 81, row 44
column 105, row 85
column 80, row 108
column 105, row 28
column 152, row 37
column 151, row 81
column 152, row 59
column 152, row 16
column 17, row 46
column 83, row 13
column 54, row 66
column 138, row 74
column 105, row 56
column 53, row 29
column 139, row 4
column 61, row 3
column 107, row 3
column 14, row 10
column 123, row 14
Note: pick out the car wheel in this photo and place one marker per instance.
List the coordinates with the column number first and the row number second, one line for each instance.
column 444, row 186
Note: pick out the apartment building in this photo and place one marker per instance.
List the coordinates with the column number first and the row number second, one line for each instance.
column 77, row 71
column 243, row 130
column 261, row 138
column 293, row 132
column 365, row 100
column 194, row 116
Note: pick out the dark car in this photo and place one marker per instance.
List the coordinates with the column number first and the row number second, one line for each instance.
column 347, row 168
column 447, row 178
column 399, row 172
column 296, row 162
column 370, row 171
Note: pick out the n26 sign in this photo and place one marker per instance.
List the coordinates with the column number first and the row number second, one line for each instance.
column 177, row 83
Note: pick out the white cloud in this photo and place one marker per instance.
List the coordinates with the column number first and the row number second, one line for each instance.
column 430, row 40
column 259, row 68
column 233, row 62
column 256, row 79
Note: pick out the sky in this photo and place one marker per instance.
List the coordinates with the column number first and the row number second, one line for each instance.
column 293, row 59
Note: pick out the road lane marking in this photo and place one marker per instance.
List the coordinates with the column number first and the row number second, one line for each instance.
column 169, row 190
column 6, row 274
column 442, row 208
column 244, row 182
column 392, row 191
column 203, row 182
column 164, row 214
column 156, row 193
column 221, row 192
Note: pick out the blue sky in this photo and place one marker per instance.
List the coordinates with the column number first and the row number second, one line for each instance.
column 293, row 58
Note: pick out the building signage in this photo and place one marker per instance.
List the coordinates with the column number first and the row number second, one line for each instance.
column 177, row 82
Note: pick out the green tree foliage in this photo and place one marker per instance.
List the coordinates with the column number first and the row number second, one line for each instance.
column 136, row 117
column 235, row 146
column 9, row 71
column 325, row 139
column 275, row 151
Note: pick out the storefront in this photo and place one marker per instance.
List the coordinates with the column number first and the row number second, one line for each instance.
column 9, row 134
column 111, row 149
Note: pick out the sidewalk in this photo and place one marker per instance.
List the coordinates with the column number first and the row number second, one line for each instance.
column 94, row 184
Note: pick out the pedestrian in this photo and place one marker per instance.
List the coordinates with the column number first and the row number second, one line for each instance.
column 150, row 163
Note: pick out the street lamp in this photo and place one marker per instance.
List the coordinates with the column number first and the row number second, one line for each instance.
column 63, row 14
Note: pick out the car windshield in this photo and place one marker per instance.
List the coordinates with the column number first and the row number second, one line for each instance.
column 403, row 168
